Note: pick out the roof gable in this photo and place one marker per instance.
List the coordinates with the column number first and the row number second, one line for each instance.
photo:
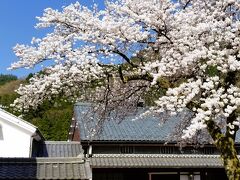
column 14, row 120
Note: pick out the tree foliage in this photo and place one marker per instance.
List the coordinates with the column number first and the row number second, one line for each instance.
column 52, row 117
column 187, row 49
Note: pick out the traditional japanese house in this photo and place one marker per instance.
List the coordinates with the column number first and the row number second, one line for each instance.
column 137, row 149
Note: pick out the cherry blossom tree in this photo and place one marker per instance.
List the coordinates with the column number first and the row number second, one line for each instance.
column 189, row 50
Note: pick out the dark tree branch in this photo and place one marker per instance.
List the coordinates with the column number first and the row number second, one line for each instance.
column 186, row 5
column 121, row 74
column 124, row 57
column 160, row 33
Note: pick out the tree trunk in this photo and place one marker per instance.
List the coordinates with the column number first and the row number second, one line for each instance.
column 225, row 144
column 229, row 156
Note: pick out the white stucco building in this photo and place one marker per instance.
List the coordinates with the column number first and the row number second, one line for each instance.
column 24, row 154
column 16, row 136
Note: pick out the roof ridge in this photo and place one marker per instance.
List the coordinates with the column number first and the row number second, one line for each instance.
column 61, row 142
column 42, row 160
column 159, row 155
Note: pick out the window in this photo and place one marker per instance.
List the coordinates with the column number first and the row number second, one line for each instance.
column 167, row 150
column 127, row 149
column 208, row 150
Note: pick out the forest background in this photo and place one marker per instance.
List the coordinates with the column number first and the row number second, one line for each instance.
column 52, row 118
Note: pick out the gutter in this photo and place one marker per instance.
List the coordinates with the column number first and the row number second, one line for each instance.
column 31, row 144
column 89, row 153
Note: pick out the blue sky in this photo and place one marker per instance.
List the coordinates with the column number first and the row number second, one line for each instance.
column 17, row 19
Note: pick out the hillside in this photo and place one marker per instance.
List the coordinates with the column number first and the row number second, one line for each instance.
column 52, row 118
column 7, row 91
column 9, row 87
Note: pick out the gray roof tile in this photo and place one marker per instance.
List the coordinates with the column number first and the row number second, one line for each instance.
column 44, row 168
column 58, row 149
column 155, row 161
column 142, row 129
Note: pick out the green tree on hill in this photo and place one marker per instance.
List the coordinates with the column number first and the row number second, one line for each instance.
column 4, row 78
column 52, row 117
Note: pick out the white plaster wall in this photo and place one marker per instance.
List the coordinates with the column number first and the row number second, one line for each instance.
column 16, row 141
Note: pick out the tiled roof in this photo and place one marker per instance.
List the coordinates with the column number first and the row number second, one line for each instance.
column 144, row 129
column 155, row 161
column 58, row 149
column 44, row 168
